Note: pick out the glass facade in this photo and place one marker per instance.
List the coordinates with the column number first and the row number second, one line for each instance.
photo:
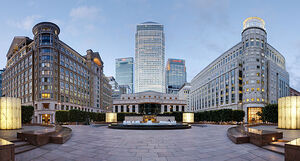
column 149, row 58
column 175, row 75
column 124, row 71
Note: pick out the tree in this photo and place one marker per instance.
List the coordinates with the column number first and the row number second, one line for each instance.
column 269, row 113
column 27, row 113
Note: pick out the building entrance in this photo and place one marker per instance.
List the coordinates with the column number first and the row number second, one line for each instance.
column 150, row 108
column 46, row 118
column 253, row 116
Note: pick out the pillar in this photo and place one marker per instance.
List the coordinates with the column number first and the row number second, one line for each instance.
column 174, row 107
column 119, row 108
column 136, row 108
column 180, row 108
column 114, row 110
column 162, row 108
column 130, row 108
column 168, row 108
column 125, row 108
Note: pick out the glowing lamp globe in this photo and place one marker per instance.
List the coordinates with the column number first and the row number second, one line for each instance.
column 188, row 117
column 289, row 112
column 10, row 113
column 111, row 117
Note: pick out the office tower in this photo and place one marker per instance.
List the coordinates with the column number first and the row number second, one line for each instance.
column 248, row 76
column 149, row 57
column 175, row 75
column 124, row 72
column 49, row 75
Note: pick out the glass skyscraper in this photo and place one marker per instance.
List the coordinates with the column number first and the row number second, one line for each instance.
column 124, row 72
column 175, row 75
column 149, row 57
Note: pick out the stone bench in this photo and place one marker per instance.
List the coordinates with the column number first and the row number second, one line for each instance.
column 236, row 136
column 7, row 150
column 292, row 150
column 58, row 135
column 262, row 137
column 241, row 134
column 62, row 136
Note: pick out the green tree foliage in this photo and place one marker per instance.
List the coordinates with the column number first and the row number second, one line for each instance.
column 27, row 113
column 269, row 113
column 62, row 116
column 78, row 116
column 223, row 115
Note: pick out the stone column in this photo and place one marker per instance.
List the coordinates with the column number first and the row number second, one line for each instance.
column 162, row 108
column 130, row 108
column 180, row 108
column 174, row 108
column 168, row 108
column 114, row 108
column 125, row 108
column 185, row 108
column 119, row 108
column 136, row 108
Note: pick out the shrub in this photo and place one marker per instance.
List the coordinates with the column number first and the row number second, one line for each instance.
column 269, row 113
column 223, row 115
column 62, row 116
column 27, row 113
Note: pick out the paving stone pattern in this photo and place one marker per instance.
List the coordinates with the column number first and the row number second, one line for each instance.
column 103, row 144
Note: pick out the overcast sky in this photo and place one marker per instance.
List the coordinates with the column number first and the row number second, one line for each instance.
column 196, row 30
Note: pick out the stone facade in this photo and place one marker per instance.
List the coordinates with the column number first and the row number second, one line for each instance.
column 133, row 102
column 249, row 75
column 48, row 74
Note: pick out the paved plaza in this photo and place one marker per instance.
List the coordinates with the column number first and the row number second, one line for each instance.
column 103, row 144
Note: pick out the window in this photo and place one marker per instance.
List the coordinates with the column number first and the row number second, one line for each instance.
column 45, row 95
column 45, row 39
column 252, row 99
column 258, row 82
column 257, row 99
column 252, row 89
column 258, row 89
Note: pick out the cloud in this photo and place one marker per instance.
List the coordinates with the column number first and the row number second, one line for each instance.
column 85, row 13
column 26, row 23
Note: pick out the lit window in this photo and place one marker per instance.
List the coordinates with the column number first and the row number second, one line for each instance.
column 257, row 74
column 263, row 89
column 252, row 99
column 247, row 89
column 247, row 82
column 247, row 99
column 258, row 89
column 45, row 95
column 252, row 89
column 263, row 100
column 257, row 81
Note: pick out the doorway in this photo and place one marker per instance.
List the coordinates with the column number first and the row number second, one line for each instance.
column 46, row 119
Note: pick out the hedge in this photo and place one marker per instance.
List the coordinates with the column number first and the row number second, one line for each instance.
column 27, row 113
column 223, row 115
column 62, row 116
column 269, row 113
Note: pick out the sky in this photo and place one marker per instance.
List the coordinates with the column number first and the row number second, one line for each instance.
column 195, row 30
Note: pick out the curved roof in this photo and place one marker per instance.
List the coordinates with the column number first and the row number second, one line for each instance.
column 149, row 22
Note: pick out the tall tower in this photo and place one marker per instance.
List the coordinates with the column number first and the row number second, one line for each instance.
column 254, row 39
column 149, row 57
column 175, row 75
column 124, row 71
